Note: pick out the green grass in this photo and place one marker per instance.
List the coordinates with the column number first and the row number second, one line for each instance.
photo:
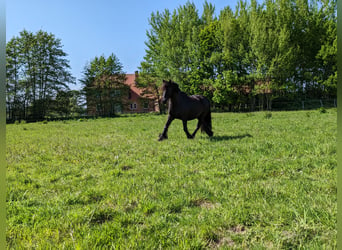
column 262, row 182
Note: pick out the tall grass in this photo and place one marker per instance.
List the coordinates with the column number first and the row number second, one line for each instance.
column 263, row 181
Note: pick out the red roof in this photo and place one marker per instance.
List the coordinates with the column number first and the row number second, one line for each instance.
column 130, row 81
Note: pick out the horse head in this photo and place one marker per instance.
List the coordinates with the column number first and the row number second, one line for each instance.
column 169, row 88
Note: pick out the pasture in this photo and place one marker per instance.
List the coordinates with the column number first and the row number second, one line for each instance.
column 263, row 181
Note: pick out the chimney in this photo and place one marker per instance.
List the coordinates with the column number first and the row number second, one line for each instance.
column 136, row 75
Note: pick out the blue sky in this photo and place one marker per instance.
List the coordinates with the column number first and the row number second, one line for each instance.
column 94, row 28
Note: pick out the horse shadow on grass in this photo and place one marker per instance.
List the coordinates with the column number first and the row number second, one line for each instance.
column 229, row 137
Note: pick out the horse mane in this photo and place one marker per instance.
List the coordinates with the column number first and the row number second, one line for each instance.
column 171, row 84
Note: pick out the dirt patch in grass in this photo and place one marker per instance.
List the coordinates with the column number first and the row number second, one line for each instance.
column 223, row 242
column 126, row 168
column 238, row 229
column 225, row 237
column 205, row 204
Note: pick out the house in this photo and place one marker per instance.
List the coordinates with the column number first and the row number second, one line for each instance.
column 137, row 101
column 129, row 99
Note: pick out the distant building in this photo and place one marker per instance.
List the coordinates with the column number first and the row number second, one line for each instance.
column 132, row 100
column 136, row 101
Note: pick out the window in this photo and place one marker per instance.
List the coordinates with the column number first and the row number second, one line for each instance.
column 133, row 106
column 146, row 105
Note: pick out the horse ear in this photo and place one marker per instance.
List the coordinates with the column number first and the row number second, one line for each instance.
column 176, row 88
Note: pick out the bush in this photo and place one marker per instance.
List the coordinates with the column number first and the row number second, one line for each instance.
column 268, row 115
column 322, row 110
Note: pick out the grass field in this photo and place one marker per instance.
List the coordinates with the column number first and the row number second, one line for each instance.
column 264, row 181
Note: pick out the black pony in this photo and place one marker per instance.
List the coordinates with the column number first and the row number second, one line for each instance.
column 186, row 108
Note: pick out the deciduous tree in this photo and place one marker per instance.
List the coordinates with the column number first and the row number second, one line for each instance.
column 103, row 85
column 37, row 69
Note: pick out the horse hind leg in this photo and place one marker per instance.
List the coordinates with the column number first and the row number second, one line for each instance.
column 207, row 128
column 209, row 132
column 206, row 125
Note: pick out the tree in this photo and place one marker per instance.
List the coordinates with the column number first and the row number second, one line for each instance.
column 327, row 55
column 14, row 91
column 104, row 85
column 258, row 52
column 150, row 85
column 169, row 45
column 272, row 52
column 68, row 103
column 36, row 70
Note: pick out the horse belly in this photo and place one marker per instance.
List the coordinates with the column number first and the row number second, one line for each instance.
column 193, row 115
column 186, row 114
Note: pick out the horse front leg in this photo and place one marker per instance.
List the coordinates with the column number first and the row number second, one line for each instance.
column 185, row 128
column 163, row 135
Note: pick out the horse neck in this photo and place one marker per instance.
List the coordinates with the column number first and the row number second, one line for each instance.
column 175, row 100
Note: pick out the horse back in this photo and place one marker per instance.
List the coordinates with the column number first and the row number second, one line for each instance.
column 197, row 106
column 203, row 100
column 186, row 107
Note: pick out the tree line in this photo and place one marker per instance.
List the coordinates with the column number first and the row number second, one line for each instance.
column 251, row 56
column 257, row 53
column 38, row 78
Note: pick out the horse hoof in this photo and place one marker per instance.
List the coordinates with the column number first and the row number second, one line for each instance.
column 162, row 137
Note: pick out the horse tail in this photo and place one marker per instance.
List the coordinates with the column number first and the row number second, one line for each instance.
column 206, row 124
